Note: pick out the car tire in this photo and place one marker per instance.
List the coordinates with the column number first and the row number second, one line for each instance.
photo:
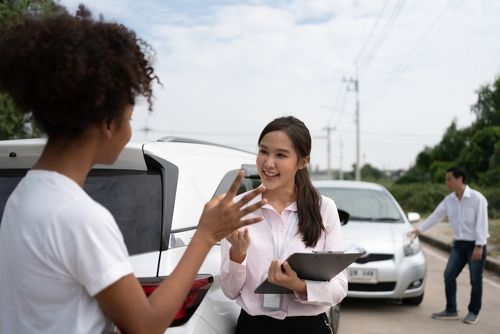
column 334, row 316
column 413, row 300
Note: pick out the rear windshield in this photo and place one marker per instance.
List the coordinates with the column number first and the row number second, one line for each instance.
column 364, row 204
column 134, row 198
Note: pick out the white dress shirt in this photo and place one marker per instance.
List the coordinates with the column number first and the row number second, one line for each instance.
column 238, row 281
column 468, row 217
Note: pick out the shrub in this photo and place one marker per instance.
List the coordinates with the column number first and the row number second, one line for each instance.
column 493, row 197
column 418, row 197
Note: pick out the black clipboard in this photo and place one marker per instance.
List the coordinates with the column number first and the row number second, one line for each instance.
column 318, row 266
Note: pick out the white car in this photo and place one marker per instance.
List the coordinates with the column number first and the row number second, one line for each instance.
column 156, row 192
column 393, row 265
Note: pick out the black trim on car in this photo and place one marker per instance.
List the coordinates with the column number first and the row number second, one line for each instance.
column 170, row 176
column 374, row 258
column 382, row 286
column 185, row 229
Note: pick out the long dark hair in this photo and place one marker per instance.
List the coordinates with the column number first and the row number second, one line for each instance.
column 308, row 199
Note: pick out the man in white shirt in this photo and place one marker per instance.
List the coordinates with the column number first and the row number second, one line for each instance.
column 467, row 212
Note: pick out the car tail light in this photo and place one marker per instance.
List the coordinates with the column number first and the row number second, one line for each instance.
column 194, row 298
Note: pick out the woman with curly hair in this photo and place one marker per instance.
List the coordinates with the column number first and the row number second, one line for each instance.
column 64, row 264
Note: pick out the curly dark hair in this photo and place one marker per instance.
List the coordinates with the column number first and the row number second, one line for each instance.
column 73, row 71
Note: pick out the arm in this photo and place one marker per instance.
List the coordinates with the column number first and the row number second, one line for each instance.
column 437, row 215
column 125, row 302
column 233, row 270
column 481, row 229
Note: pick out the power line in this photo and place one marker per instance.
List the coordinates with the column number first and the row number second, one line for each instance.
column 371, row 32
column 342, row 81
column 336, row 108
column 418, row 46
column 355, row 82
column 382, row 36
column 340, row 110
column 342, row 101
column 394, row 134
column 370, row 142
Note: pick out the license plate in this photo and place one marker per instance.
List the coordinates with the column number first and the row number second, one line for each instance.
column 359, row 275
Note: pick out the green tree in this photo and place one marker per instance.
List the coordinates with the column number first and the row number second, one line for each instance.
column 452, row 143
column 370, row 173
column 431, row 163
column 479, row 155
column 13, row 11
column 492, row 175
column 474, row 147
column 13, row 123
column 487, row 107
column 438, row 169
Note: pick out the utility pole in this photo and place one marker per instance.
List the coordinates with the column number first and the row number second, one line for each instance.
column 341, row 172
column 356, row 89
column 146, row 129
column 329, row 129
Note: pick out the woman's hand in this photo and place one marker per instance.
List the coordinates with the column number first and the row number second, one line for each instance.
column 240, row 241
column 222, row 215
column 284, row 275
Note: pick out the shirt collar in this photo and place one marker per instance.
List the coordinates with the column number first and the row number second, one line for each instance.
column 291, row 207
column 467, row 191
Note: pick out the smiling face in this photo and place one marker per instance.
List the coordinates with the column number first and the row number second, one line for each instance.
column 278, row 162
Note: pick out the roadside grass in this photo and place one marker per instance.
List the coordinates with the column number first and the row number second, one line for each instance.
column 494, row 240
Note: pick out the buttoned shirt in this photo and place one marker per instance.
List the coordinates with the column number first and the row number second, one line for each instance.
column 239, row 281
column 468, row 216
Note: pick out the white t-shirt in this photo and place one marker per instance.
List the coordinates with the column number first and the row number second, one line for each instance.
column 58, row 249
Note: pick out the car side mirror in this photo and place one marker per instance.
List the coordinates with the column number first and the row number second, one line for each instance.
column 344, row 216
column 413, row 217
column 250, row 171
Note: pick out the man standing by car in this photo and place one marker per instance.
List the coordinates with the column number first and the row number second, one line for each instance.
column 467, row 212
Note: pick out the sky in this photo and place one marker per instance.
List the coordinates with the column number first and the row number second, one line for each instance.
column 229, row 67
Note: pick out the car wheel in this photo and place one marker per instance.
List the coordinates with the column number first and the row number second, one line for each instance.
column 413, row 300
column 334, row 316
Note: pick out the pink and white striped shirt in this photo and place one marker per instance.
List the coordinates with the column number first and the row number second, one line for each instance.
column 239, row 281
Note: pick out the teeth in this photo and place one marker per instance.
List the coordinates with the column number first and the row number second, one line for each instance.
column 271, row 174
